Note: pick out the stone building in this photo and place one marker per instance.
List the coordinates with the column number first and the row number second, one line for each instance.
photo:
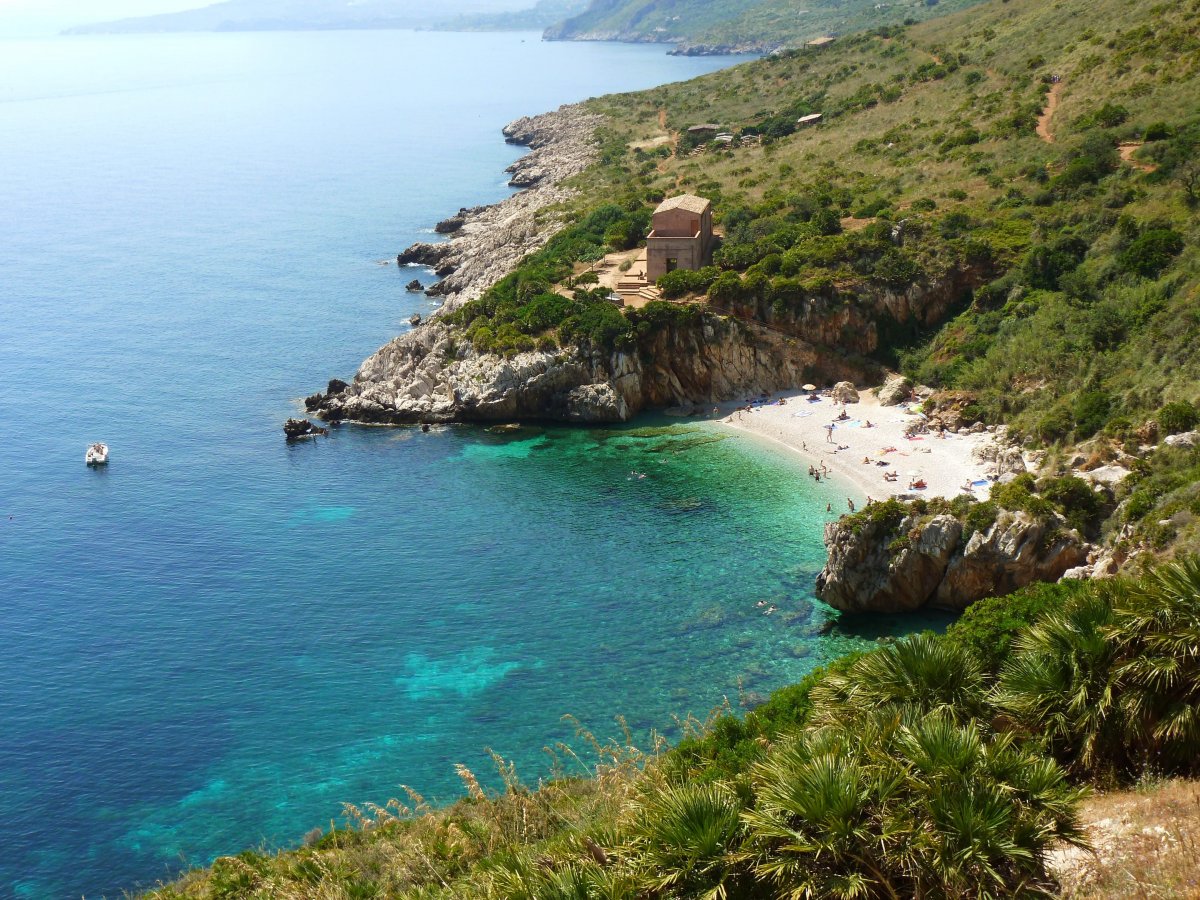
column 681, row 236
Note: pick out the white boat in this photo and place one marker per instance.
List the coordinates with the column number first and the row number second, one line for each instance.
column 97, row 455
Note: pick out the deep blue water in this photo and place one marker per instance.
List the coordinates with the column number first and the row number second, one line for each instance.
column 219, row 639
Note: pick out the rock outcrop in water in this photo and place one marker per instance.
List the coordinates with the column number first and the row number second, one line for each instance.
column 902, row 561
column 296, row 429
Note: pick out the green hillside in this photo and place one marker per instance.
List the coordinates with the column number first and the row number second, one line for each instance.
column 739, row 24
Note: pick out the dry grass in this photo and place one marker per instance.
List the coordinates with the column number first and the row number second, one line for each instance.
column 1147, row 846
column 405, row 848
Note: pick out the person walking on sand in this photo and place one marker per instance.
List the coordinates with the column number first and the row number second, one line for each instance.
column 829, row 434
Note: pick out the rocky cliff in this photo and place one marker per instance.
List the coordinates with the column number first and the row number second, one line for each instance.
column 432, row 374
column 851, row 317
column 488, row 241
column 896, row 560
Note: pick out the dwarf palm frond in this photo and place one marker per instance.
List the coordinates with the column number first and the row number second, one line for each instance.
column 1057, row 685
column 682, row 836
column 991, row 809
column 1156, row 632
column 933, row 808
column 921, row 674
column 521, row 876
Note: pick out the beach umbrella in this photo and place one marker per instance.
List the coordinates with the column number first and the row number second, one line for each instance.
column 809, row 387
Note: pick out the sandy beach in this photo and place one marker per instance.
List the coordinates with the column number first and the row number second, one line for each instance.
column 946, row 465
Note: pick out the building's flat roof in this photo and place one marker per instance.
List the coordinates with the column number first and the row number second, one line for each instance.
column 811, row 117
column 689, row 202
column 821, row 41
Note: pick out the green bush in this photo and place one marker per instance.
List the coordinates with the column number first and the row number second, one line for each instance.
column 1018, row 496
column 1157, row 131
column 1177, row 417
column 1077, row 500
column 987, row 628
column 1045, row 264
column 896, row 269
column 727, row 288
column 917, row 676
column 1110, row 115
column 682, row 282
column 1151, row 252
column 1090, row 410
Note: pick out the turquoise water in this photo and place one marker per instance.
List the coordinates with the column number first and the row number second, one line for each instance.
column 218, row 640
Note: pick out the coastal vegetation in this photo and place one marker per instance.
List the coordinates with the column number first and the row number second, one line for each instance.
column 938, row 765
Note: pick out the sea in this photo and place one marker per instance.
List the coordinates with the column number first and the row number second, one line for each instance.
column 219, row 639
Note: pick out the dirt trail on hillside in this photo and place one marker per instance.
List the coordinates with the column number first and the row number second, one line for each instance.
column 1127, row 150
column 1043, row 123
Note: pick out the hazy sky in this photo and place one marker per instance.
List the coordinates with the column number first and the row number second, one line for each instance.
column 50, row 16
column 44, row 17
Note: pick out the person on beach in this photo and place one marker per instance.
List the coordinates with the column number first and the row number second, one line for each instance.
column 829, row 434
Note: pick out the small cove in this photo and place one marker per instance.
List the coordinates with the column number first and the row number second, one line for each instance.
column 220, row 639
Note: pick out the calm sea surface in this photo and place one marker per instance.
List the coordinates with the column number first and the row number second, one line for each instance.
column 218, row 640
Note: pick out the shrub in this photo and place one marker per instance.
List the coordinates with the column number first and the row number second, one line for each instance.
column 896, row 269
column 1045, row 264
column 932, row 809
column 1056, row 686
column 682, row 835
column 1177, row 417
column 1018, row 496
column 1055, row 425
column 1110, row 115
column 1157, row 672
column 727, row 288
column 1077, row 500
column 1112, row 682
column 1151, row 252
column 1157, row 131
column 685, row 281
column 987, row 628
column 1090, row 411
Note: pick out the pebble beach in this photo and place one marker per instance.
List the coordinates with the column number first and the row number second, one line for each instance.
column 799, row 421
